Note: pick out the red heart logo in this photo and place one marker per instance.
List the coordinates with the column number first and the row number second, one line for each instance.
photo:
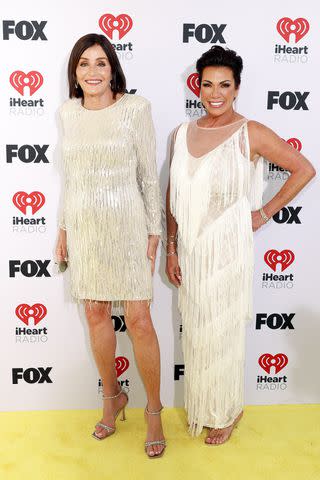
column 273, row 257
column 295, row 143
column 122, row 364
column 19, row 80
column 37, row 311
column 279, row 361
column 194, row 83
column 22, row 200
column 299, row 27
column 108, row 23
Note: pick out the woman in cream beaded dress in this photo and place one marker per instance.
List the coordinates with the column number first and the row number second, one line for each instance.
column 216, row 179
column 110, row 225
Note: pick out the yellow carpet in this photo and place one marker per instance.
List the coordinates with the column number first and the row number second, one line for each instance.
column 270, row 443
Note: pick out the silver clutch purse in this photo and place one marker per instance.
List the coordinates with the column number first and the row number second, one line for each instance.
column 62, row 266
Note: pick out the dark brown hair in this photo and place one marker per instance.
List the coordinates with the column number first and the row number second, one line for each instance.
column 118, row 81
column 218, row 56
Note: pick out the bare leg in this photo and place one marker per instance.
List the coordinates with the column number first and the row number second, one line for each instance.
column 147, row 354
column 103, row 344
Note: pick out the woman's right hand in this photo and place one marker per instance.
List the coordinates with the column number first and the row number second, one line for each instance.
column 61, row 248
column 173, row 270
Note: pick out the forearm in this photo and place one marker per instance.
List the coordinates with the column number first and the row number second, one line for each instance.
column 172, row 226
column 172, row 265
column 295, row 183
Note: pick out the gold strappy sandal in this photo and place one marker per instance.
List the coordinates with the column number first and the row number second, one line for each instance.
column 111, row 430
column 233, row 426
column 154, row 442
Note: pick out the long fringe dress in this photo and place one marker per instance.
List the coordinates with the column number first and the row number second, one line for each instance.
column 112, row 199
column 212, row 194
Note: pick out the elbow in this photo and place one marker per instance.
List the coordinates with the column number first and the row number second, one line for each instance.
column 310, row 172
column 307, row 172
column 313, row 172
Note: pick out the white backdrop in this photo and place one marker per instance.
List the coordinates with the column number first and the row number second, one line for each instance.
column 46, row 361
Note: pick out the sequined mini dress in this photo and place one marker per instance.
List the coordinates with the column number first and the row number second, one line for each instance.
column 111, row 198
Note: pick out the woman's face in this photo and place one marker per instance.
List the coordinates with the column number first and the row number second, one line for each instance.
column 218, row 90
column 94, row 72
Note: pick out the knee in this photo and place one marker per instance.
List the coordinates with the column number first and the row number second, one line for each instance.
column 97, row 314
column 139, row 326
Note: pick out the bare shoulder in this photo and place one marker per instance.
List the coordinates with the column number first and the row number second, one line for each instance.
column 256, row 128
column 260, row 136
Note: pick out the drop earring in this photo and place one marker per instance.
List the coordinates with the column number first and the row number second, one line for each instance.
column 235, row 103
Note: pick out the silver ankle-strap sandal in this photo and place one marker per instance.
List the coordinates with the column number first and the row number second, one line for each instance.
column 107, row 428
column 154, row 442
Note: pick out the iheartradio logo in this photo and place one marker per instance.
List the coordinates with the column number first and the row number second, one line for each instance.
column 278, row 361
column 19, row 80
column 298, row 27
column 285, row 258
column 122, row 23
column 25, row 312
column 295, row 143
column 122, row 364
column 22, row 200
column 194, row 83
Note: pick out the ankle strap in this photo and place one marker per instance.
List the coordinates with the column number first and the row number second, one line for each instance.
column 114, row 396
column 153, row 413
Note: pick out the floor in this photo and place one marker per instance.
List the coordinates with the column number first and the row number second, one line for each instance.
column 270, row 443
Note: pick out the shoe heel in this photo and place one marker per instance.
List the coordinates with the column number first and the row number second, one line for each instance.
column 123, row 416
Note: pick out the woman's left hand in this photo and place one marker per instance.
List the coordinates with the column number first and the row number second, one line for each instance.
column 153, row 241
column 257, row 220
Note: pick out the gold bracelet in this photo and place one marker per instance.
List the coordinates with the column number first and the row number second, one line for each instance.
column 169, row 254
column 264, row 217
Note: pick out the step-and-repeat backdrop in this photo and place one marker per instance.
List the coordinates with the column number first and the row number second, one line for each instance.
column 46, row 361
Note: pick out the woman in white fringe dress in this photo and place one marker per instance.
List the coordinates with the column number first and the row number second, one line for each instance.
column 111, row 221
column 216, row 179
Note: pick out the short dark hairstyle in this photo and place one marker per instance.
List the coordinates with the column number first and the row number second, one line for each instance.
column 221, row 57
column 118, row 81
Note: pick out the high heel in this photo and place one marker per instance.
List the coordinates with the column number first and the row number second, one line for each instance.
column 111, row 430
column 154, row 442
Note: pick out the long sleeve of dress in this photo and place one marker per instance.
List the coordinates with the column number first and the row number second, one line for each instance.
column 61, row 216
column 147, row 175
column 61, row 221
